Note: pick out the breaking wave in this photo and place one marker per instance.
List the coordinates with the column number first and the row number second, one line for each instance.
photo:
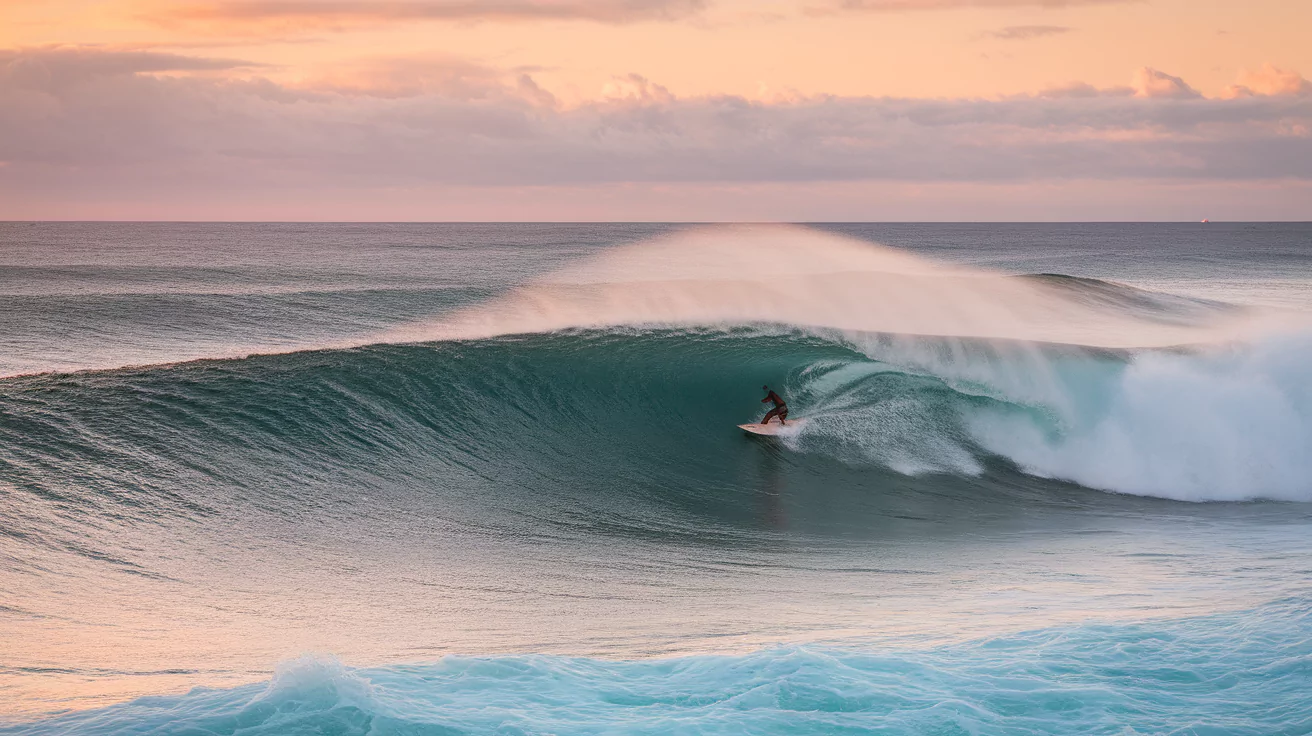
column 1181, row 676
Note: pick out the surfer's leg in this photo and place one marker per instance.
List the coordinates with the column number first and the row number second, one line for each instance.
column 770, row 415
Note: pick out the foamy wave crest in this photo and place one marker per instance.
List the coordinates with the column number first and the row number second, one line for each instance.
column 1228, row 424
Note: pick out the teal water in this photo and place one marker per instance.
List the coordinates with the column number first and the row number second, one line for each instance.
column 268, row 479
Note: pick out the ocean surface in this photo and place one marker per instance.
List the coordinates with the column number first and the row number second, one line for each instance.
column 470, row 479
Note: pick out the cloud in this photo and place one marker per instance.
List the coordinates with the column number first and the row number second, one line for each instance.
column 1270, row 80
column 1151, row 83
column 125, row 131
column 1145, row 83
column 1084, row 89
column 63, row 65
column 636, row 88
column 1024, row 33
column 264, row 16
column 913, row 5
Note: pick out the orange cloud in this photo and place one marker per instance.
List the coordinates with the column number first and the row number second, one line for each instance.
column 1270, row 81
column 1149, row 82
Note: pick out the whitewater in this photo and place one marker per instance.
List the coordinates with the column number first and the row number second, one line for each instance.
column 485, row 478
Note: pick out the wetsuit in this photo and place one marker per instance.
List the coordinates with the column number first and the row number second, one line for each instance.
column 780, row 408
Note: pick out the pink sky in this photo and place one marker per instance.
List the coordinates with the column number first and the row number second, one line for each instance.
column 655, row 110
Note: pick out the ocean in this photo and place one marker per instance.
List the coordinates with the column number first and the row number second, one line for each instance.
column 485, row 478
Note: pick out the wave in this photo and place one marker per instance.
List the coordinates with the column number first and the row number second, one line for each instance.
column 1154, row 677
column 632, row 430
column 1149, row 305
column 174, row 323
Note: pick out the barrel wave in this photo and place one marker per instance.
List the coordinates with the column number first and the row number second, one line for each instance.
column 590, row 424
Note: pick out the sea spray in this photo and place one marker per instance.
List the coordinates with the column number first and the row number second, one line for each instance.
column 803, row 278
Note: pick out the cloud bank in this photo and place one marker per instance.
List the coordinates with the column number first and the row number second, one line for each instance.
column 78, row 123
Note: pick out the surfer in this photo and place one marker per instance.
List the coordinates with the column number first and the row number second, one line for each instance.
column 780, row 408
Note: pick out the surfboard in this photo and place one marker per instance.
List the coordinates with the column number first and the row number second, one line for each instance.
column 774, row 428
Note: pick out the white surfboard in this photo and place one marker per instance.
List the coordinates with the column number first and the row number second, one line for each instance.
column 774, row 428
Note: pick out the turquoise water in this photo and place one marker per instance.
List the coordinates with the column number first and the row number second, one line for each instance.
column 384, row 479
column 1242, row 673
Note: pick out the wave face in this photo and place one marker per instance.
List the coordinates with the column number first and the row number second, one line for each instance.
column 657, row 408
column 1184, row 676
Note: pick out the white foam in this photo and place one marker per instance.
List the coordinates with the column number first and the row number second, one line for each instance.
column 1229, row 424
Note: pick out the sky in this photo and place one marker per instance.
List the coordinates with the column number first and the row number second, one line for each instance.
column 690, row 110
